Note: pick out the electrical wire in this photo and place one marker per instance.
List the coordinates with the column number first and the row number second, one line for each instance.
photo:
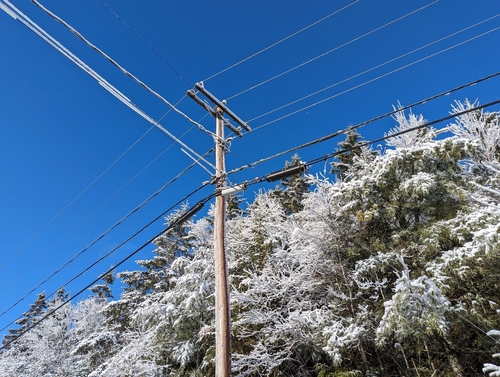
column 18, row 15
column 427, row 124
column 373, row 68
column 330, row 51
column 72, row 201
column 359, row 125
column 424, row 125
column 146, row 43
column 42, row 255
column 123, row 70
column 375, row 79
column 80, row 194
column 252, row 182
column 170, row 226
column 72, row 259
column 280, row 41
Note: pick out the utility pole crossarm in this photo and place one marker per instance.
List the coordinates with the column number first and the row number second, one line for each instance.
column 221, row 105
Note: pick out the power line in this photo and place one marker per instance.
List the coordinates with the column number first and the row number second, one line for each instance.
column 373, row 68
column 252, row 182
column 347, row 79
column 326, row 157
column 356, row 126
column 137, row 208
column 179, row 220
column 375, row 79
column 72, row 201
column 427, row 124
column 123, row 70
column 330, row 51
column 18, row 15
column 146, row 43
column 82, row 192
column 42, row 255
column 280, row 41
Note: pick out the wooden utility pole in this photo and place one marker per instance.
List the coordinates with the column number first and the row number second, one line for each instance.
column 222, row 319
column 222, row 315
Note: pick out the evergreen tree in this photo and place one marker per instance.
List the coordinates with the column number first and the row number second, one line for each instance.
column 28, row 319
column 480, row 126
column 103, row 290
column 345, row 160
column 391, row 270
column 233, row 208
column 408, row 138
column 45, row 349
column 293, row 188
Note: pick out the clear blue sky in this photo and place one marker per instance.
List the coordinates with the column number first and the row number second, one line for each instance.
column 60, row 130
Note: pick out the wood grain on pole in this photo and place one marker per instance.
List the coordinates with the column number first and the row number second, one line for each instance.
column 222, row 319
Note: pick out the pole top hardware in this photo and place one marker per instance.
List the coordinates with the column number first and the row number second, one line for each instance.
column 214, row 112
column 222, row 105
column 191, row 94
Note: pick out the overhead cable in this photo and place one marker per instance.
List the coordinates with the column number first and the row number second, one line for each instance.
column 119, row 222
column 174, row 223
column 372, row 68
column 123, row 70
column 424, row 125
column 301, row 168
column 375, row 79
column 280, row 41
column 268, row 177
column 330, row 51
column 18, row 15
column 71, row 202
column 82, row 192
column 146, row 43
column 356, row 126
column 43, row 254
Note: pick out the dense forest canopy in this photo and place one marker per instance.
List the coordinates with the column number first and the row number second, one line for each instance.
column 389, row 266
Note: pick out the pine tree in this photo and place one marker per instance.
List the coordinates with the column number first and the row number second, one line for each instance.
column 293, row 188
column 351, row 145
column 103, row 291
column 37, row 309
column 233, row 209
column 45, row 349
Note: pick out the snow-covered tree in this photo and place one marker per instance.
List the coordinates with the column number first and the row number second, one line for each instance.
column 479, row 126
column 411, row 138
column 351, row 151
column 293, row 188
column 27, row 319
column 493, row 370
column 391, row 269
